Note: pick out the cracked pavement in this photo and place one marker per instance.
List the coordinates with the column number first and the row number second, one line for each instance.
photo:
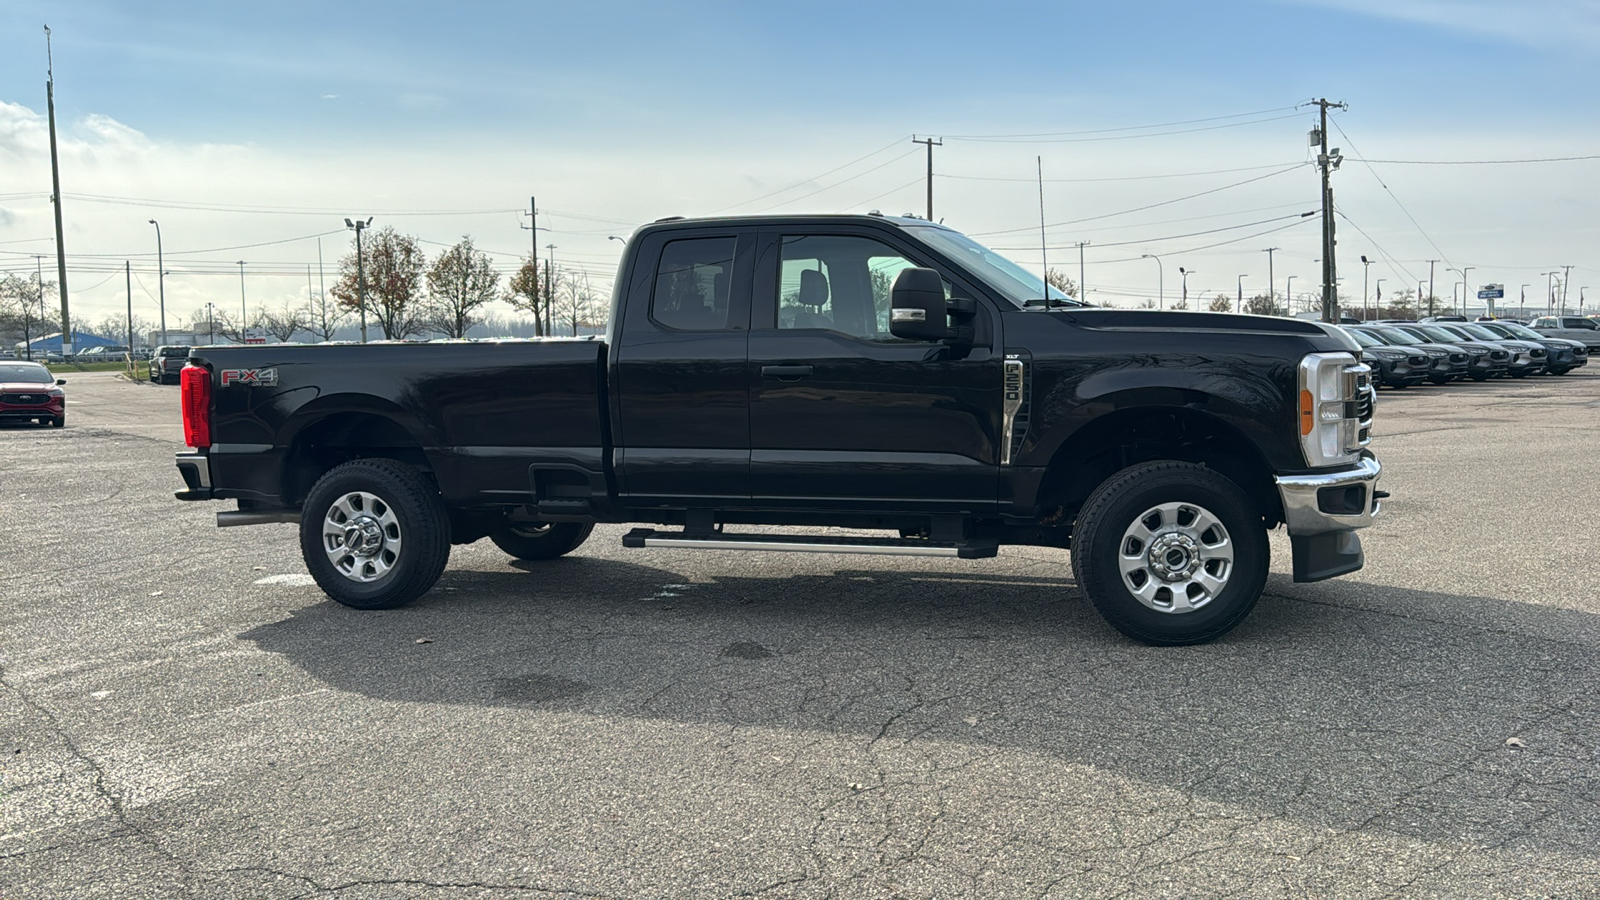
column 175, row 721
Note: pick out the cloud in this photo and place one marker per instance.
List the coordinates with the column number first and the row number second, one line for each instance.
column 1536, row 23
column 330, row 96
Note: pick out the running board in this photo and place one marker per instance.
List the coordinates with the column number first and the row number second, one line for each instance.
column 808, row 543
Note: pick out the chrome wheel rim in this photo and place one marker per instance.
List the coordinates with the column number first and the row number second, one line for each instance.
column 1175, row 557
column 361, row 536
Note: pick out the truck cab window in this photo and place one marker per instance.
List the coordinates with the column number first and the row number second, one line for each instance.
column 838, row 283
column 693, row 284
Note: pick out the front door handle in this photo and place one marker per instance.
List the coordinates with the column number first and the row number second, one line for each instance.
column 785, row 373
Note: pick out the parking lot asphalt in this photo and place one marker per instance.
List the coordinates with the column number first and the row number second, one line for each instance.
column 183, row 715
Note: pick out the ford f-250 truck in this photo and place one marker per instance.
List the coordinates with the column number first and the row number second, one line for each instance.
column 862, row 372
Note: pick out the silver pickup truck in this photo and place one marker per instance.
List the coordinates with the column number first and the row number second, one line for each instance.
column 1572, row 328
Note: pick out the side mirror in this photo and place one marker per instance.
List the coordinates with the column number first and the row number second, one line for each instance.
column 61, row 381
column 917, row 308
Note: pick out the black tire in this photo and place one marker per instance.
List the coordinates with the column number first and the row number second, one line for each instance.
column 1121, row 501
column 541, row 540
column 1557, row 371
column 1478, row 376
column 403, row 498
column 58, row 422
column 1441, row 381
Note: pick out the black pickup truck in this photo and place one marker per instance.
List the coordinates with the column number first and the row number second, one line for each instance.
column 881, row 374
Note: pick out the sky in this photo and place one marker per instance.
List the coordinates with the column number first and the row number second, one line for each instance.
column 1174, row 129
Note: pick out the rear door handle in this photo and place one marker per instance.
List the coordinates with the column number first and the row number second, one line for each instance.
column 785, row 372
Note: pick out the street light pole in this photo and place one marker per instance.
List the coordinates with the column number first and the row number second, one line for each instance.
column 1240, row 307
column 1288, row 294
column 1430, row 287
column 1366, row 270
column 1377, row 299
column 1522, row 300
column 1185, row 273
column 361, row 272
column 1271, row 278
column 161, row 281
column 1161, row 278
column 1549, row 291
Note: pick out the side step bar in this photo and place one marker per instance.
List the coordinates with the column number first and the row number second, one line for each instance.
column 808, row 543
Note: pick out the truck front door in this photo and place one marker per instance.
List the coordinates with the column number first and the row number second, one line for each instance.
column 843, row 414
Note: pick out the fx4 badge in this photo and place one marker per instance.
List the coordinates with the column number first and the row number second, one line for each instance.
column 250, row 377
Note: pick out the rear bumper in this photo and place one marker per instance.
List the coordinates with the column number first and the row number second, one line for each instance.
column 1323, row 512
column 196, row 471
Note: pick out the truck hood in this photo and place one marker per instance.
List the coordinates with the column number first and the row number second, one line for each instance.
column 1171, row 320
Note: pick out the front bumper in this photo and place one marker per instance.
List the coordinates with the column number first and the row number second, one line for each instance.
column 1323, row 512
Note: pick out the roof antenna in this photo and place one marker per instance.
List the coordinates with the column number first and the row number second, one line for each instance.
column 1043, row 252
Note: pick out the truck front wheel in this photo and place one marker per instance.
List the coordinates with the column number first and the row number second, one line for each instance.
column 1170, row 553
column 374, row 534
column 541, row 540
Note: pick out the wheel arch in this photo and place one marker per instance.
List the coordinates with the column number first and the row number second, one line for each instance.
column 334, row 430
column 1131, row 435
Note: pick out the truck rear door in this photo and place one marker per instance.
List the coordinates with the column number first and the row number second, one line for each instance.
column 682, row 409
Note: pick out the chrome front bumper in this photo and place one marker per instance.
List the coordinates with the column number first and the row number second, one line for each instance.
column 1322, row 503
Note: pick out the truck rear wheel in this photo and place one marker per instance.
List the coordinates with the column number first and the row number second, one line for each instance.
column 374, row 534
column 541, row 540
column 1170, row 553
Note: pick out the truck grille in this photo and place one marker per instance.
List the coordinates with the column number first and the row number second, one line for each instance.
column 34, row 399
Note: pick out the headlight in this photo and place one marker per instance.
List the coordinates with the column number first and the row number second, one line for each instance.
column 1388, row 354
column 1476, row 351
column 1336, row 400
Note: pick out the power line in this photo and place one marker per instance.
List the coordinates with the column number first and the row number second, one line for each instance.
column 889, row 146
column 1376, row 177
column 1172, row 237
column 1119, row 137
column 1149, row 206
column 1474, row 162
column 1116, row 178
column 1263, row 112
column 845, row 180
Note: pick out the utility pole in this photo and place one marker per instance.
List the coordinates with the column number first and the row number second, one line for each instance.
column 533, row 238
column 322, row 289
column 932, row 143
column 1327, row 163
column 1566, row 277
column 1271, row 278
column 1288, row 294
column 1549, row 292
column 1522, row 300
column 1083, row 292
column 127, row 273
column 1430, row 285
column 1377, row 299
column 1240, row 301
column 244, row 311
column 55, row 196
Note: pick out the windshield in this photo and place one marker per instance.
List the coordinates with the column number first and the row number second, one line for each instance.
column 25, row 374
column 1480, row 332
column 1391, row 336
column 1439, row 333
column 1363, row 338
column 174, row 351
column 1016, row 283
column 1521, row 331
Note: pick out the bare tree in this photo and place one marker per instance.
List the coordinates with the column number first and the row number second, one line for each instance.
column 1061, row 282
column 575, row 304
column 393, row 264
column 526, row 292
column 235, row 328
column 1221, row 303
column 283, row 324
column 461, row 281
column 324, row 319
column 22, row 308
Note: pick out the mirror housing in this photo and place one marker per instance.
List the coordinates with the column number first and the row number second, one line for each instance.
column 60, row 381
column 917, row 308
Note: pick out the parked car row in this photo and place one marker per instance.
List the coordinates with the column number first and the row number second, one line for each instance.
column 1402, row 354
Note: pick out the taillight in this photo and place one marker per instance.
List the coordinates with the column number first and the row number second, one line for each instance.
column 196, row 382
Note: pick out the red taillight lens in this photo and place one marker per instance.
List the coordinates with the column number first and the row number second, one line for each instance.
column 196, row 383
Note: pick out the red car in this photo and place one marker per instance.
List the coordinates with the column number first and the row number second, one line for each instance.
column 29, row 392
